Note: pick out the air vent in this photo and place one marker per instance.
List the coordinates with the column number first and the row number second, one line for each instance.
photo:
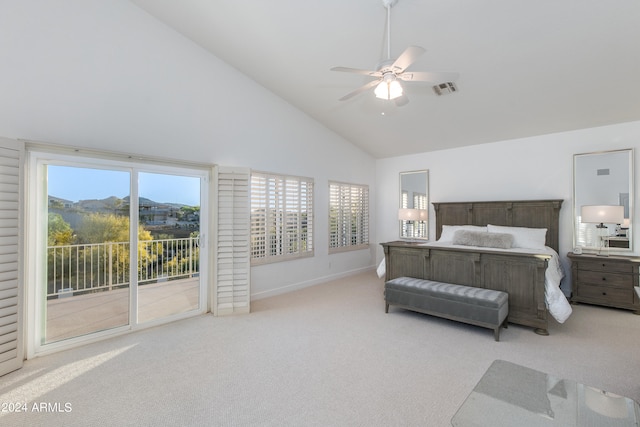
column 445, row 88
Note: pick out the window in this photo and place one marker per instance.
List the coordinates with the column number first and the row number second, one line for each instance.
column 348, row 216
column 281, row 217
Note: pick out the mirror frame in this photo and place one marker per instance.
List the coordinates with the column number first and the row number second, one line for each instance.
column 579, row 244
column 421, row 227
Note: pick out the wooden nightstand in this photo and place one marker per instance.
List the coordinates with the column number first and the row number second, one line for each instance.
column 606, row 281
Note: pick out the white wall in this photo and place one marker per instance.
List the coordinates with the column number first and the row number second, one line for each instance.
column 106, row 75
column 530, row 168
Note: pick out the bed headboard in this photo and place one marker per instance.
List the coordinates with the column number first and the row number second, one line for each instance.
column 513, row 213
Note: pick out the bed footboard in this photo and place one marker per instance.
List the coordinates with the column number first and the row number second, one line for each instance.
column 520, row 275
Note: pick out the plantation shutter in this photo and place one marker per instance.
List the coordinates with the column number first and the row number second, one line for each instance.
column 232, row 242
column 11, row 286
column 281, row 217
column 348, row 216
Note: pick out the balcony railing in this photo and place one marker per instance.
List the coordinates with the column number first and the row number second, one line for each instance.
column 79, row 269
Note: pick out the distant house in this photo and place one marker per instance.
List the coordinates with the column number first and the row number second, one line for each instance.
column 57, row 202
column 154, row 214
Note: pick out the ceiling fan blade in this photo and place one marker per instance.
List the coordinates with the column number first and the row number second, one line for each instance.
column 360, row 90
column 426, row 76
column 357, row 71
column 407, row 58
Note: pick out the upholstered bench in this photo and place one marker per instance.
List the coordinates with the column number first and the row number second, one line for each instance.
column 477, row 306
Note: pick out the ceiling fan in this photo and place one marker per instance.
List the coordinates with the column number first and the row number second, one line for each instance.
column 389, row 72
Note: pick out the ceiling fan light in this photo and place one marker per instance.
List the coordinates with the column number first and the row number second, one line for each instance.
column 388, row 90
column 395, row 89
column 382, row 90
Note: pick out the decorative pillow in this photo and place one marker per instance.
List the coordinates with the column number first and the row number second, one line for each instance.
column 484, row 239
column 449, row 230
column 523, row 237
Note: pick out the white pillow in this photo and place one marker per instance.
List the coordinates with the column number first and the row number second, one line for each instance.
column 449, row 230
column 523, row 237
column 483, row 239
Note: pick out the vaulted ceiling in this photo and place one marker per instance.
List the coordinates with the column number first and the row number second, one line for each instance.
column 526, row 68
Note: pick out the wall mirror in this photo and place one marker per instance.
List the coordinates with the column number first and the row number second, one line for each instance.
column 414, row 205
column 603, row 201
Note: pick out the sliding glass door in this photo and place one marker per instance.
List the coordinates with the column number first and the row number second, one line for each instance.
column 119, row 246
column 87, row 252
column 169, row 247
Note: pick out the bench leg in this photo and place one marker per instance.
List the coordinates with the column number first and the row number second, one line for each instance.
column 496, row 331
column 386, row 307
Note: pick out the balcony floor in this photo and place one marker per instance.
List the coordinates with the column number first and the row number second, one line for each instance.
column 72, row 316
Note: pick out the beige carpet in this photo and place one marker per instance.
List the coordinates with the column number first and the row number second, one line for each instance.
column 323, row 356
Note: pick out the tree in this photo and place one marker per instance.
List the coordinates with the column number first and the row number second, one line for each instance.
column 101, row 228
column 56, row 204
column 186, row 211
column 60, row 232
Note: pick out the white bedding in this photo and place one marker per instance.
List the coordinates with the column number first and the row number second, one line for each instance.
column 557, row 303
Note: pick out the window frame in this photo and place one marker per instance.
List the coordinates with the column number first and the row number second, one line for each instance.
column 39, row 156
column 362, row 215
column 293, row 195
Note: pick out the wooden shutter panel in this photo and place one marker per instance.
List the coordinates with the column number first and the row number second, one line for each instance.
column 232, row 246
column 11, row 285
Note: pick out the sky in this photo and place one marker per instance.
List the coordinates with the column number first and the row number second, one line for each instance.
column 73, row 183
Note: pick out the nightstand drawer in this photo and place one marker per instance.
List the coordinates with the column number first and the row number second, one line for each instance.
column 612, row 296
column 605, row 279
column 606, row 265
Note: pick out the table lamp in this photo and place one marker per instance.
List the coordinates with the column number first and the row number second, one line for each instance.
column 601, row 215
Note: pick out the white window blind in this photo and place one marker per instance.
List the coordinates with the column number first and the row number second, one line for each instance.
column 281, row 217
column 11, row 341
column 420, row 201
column 232, row 293
column 348, row 216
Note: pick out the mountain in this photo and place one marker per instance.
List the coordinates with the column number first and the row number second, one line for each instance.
column 111, row 204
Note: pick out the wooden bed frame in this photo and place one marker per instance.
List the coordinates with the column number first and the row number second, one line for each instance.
column 521, row 275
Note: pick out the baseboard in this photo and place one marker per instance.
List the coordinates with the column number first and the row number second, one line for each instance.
column 301, row 285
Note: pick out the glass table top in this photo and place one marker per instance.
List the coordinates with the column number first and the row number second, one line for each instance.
column 513, row 395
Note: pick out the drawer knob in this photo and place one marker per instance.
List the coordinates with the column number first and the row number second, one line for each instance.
column 604, row 278
column 604, row 293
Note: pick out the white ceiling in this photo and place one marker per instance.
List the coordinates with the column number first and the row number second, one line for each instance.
column 527, row 67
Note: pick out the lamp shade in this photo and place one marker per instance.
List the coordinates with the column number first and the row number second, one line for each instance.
column 599, row 214
column 408, row 214
column 388, row 89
